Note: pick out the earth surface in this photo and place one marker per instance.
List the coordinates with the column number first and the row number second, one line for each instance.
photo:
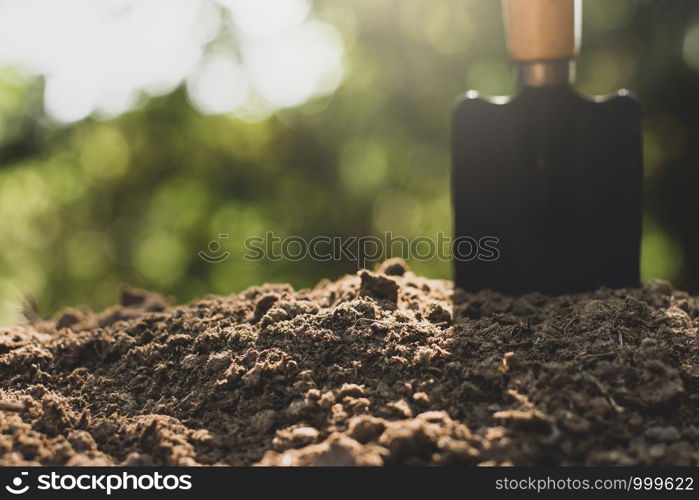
column 377, row 368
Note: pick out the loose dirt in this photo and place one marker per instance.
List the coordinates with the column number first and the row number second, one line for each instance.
column 379, row 368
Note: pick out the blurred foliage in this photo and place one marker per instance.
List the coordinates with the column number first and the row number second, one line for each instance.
column 135, row 198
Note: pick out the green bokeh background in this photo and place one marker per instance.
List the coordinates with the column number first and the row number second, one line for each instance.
column 133, row 199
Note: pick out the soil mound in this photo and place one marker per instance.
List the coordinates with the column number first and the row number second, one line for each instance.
column 379, row 368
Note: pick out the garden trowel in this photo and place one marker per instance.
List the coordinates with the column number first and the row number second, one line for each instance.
column 546, row 184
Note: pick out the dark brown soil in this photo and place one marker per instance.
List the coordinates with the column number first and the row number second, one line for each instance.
column 369, row 370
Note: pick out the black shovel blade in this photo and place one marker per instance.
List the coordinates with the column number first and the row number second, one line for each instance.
column 546, row 189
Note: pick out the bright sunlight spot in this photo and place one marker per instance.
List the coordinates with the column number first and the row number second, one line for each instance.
column 267, row 18
column 219, row 86
column 307, row 60
column 98, row 56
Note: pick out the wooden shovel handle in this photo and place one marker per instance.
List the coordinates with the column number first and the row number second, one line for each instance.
column 542, row 30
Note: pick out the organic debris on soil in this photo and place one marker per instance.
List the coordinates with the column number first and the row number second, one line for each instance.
column 378, row 368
